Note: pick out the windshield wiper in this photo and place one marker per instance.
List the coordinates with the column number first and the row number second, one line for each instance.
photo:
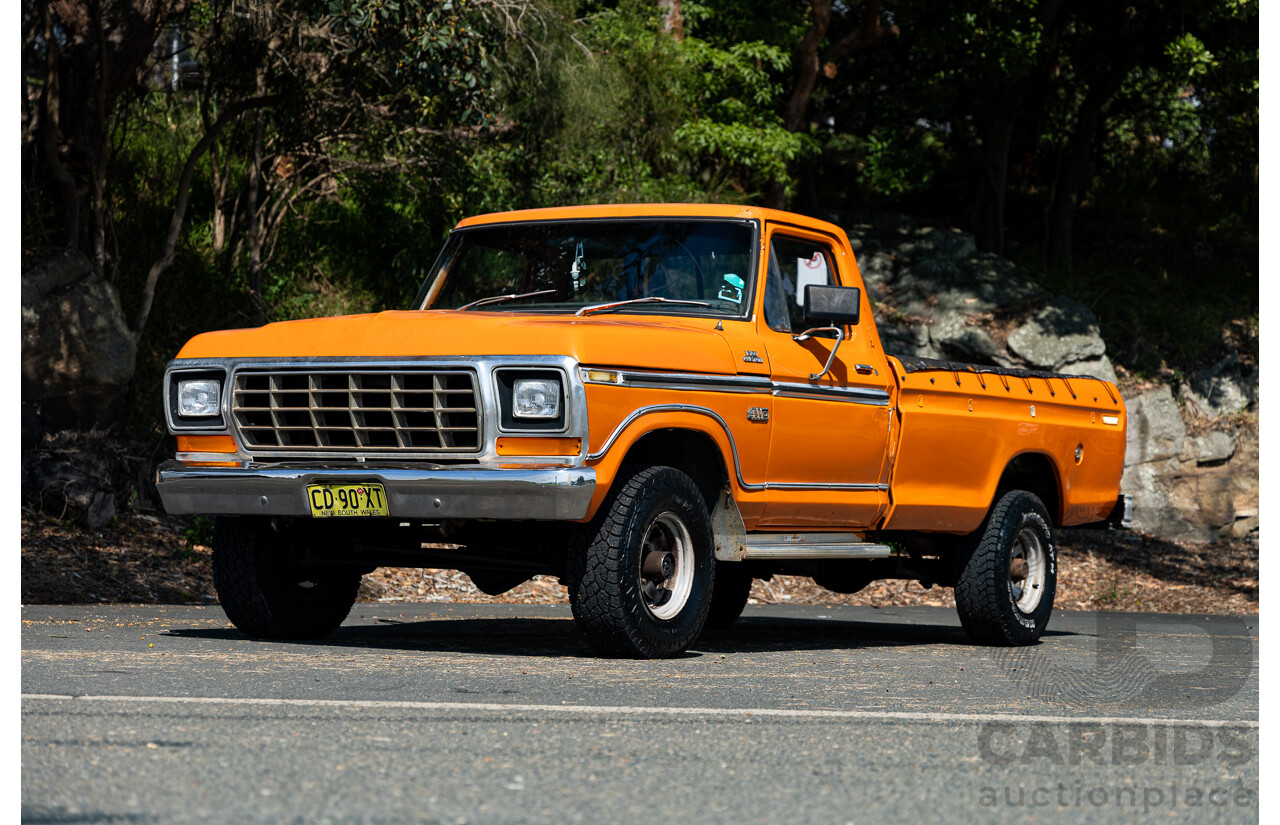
column 652, row 299
column 497, row 299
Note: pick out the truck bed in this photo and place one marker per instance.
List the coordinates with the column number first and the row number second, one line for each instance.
column 962, row 425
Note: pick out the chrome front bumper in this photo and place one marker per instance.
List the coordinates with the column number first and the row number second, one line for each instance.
column 424, row 491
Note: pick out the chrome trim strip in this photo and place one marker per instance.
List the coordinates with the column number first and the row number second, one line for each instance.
column 856, row 395
column 850, row 550
column 428, row 491
column 681, row 380
column 803, row 539
column 738, row 383
column 733, row 446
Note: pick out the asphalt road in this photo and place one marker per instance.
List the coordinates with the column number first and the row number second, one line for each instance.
column 497, row 713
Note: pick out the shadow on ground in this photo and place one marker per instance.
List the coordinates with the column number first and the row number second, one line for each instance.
column 557, row 637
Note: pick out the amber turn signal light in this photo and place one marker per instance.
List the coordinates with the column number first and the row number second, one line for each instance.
column 539, row 446
column 206, row 444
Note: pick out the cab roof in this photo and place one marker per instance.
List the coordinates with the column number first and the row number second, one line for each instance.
column 645, row 210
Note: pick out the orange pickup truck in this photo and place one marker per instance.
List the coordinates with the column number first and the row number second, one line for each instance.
column 656, row 403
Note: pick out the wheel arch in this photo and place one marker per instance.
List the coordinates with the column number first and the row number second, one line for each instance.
column 694, row 444
column 693, row 452
column 1035, row 472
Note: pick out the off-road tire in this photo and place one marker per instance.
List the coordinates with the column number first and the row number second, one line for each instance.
column 733, row 588
column 259, row 585
column 608, row 604
column 985, row 596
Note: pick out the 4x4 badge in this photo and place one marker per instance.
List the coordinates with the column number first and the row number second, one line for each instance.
column 758, row 414
column 752, row 357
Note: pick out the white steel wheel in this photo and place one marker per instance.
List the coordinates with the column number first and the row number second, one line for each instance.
column 1027, row 570
column 666, row 566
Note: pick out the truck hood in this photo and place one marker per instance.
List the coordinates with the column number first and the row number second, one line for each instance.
column 665, row 343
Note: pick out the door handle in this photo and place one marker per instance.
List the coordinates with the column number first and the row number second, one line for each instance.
column 866, row 369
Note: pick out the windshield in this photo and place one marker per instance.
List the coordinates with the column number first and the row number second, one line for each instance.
column 565, row 266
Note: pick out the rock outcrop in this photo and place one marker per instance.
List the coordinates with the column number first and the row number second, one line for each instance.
column 1192, row 455
column 77, row 352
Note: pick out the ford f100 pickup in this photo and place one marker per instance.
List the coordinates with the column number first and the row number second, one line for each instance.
column 655, row 403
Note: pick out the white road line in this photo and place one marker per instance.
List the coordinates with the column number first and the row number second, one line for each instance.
column 632, row 710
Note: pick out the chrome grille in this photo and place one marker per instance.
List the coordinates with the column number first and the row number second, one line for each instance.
column 392, row 411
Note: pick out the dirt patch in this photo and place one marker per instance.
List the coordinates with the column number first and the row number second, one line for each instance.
column 160, row 559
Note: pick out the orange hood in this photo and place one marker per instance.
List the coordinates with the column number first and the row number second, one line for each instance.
column 665, row 343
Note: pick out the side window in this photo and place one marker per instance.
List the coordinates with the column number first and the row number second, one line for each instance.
column 793, row 265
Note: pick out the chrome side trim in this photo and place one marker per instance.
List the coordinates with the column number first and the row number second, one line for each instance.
column 427, row 491
column 733, row 446
column 803, row 539
column 849, row 550
column 681, row 380
column 856, row 395
column 737, row 383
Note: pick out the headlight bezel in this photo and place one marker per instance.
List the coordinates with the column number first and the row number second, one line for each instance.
column 505, row 378
column 178, row 423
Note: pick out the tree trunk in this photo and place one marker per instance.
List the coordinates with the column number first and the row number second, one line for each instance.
column 259, row 306
column 181, row 200
column 988, row 207
column 100, row 150
column 808, row 64
column 1070, row 180
column 49, row 142
column 672, row 19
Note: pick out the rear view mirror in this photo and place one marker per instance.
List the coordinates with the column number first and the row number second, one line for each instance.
column 834, row 304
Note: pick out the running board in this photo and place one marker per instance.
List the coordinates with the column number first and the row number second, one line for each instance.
column 811, row 546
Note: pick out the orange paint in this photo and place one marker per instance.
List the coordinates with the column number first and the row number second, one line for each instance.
column 206, row 444
column 538, row 446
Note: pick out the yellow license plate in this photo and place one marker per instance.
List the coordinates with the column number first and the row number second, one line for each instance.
column 338, row 500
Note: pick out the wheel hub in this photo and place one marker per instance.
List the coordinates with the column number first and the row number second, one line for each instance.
column 666, row 566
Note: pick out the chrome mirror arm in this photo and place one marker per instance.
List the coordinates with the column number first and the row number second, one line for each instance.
column 809, row 333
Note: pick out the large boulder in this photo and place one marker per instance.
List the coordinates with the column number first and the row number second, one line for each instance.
column 1064, row 332
column 78, row 355
column 1226, row 388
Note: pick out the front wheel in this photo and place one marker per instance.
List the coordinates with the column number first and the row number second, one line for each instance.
column 1004, row 592
column 266, row 593
column 646, row 573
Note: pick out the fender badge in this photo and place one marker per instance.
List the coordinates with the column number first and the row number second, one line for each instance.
column 758, row 414
column 752, row 357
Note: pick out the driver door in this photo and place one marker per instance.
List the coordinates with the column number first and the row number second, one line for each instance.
column 828, row 453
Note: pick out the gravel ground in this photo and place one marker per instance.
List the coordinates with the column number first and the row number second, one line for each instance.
column 160, row 559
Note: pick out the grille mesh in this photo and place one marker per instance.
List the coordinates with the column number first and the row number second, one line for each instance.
column 366, row 411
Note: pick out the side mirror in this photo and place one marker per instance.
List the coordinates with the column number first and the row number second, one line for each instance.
column 834, row 304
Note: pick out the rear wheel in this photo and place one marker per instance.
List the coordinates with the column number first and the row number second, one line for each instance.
column 1005, row 589
column 267, row 593
column 645, row 574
